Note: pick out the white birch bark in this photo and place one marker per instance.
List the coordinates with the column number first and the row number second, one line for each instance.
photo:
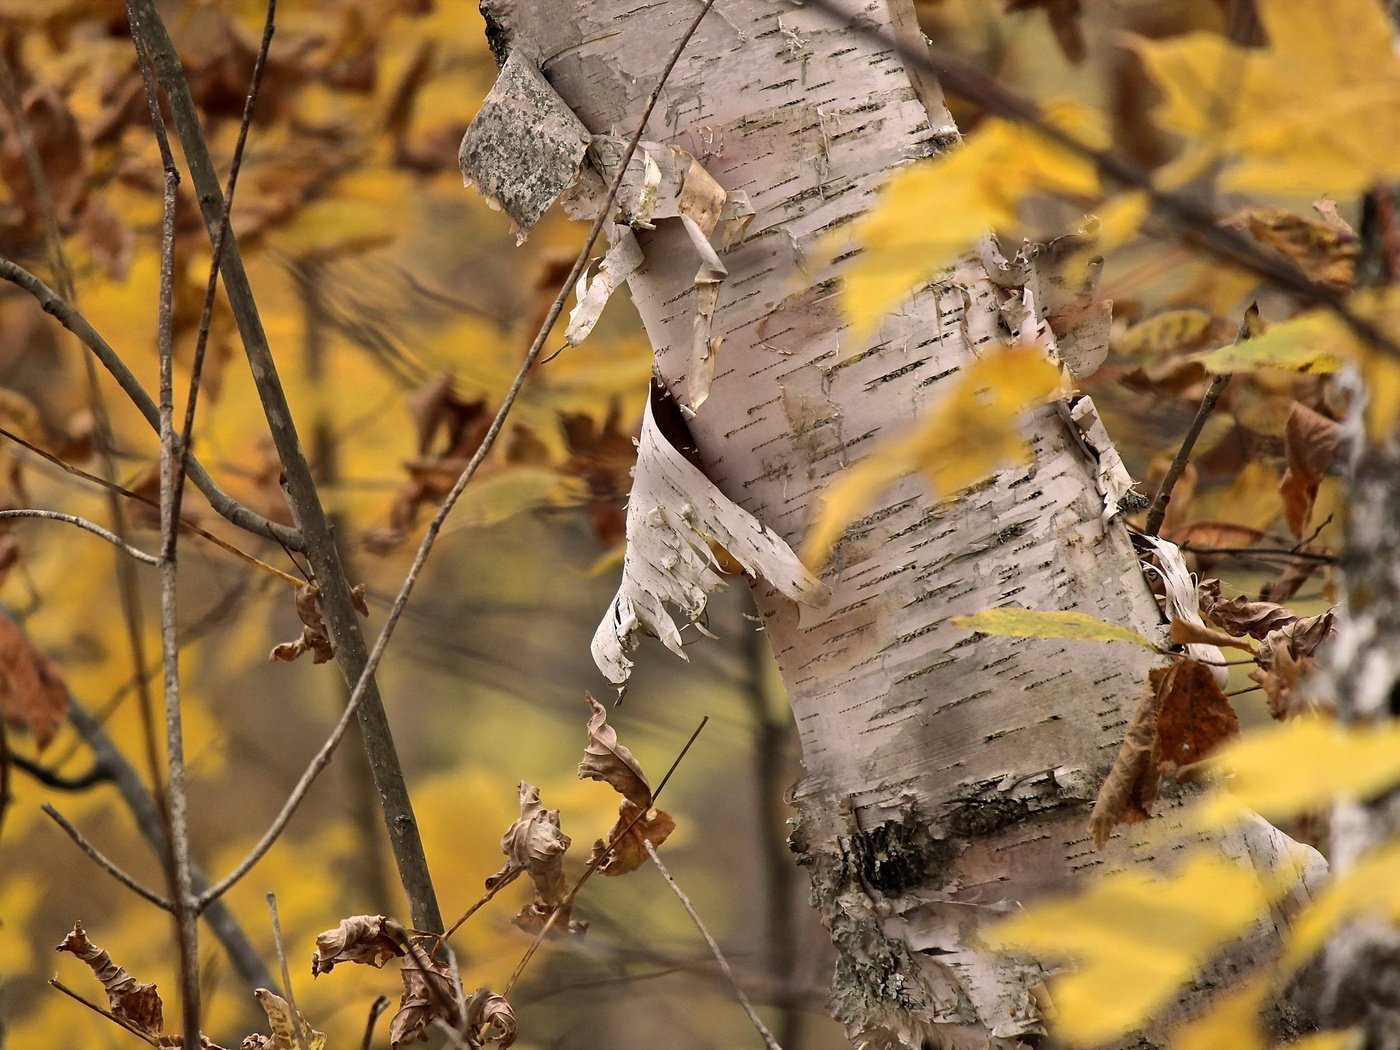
column 947, row 777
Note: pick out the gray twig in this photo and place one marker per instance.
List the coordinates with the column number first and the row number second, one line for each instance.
column 83, row 523
column 768, row 1039
column 177, row 800
column 286, row 973
column 101, row 860
column 337, row 605
column 1157, row 513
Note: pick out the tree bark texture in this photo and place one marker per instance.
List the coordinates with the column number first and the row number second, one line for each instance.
column 947, row 776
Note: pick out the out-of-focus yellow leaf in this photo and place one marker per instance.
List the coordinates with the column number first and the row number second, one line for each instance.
column 1029, row 623
column 1232, row 1020
column 1314, row 112
column 965, row 193
column 1166, row 331
column 1370, row 888
column 1320, row 341
column 1301, row 765
column 971, row 432
column 1135, row 940
column 502, row 496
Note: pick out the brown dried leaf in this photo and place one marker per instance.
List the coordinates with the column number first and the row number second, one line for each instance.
column 314, row 638
column 629, row 851
column 1310, row 443
column 1184, row 632
column 1240, row 616
column 534, row 845
column 284, row 1022
column 1280, row 681
column 369, row 939
column 605, row 759
column 430, row 993
column 1300, row 637
column 133, row 1001
column 1324, row 248
column 1194, row 717
column 33, row 693
column 487, row 1010
column 603, row 457
column 1210, row 534
column 1131, row 786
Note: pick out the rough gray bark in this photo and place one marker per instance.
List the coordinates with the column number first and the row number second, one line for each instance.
column 947, row 776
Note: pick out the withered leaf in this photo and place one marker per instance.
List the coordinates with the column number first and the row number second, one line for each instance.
column 1310, row 443
column 1324, row 248
column 284, row 1022
column 1194, row 717
column 33, row 693
column 535, row 845
column 629, row 847
column 1131, row 786
column 605, row 759
column 487, row 1011
column 1280, row 681
column 429, row 993
column 133, row 1001
column 314, row 638
column 1240, row 616
column 369, row 939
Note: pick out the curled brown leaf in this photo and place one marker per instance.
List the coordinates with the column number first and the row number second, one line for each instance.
column 629, row 843
column 605, row 759
column 429, row 994
column 1131, row 786
column 535, row 845
column 369, row 939
column 314, row 638
column 135, row 1002
column 1310, row 442
column 490, row 1019
column 1194, row 717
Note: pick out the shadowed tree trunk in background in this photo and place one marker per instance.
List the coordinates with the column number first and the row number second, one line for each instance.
column 946, row 775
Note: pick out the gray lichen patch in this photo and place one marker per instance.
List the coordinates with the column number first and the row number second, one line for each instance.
column 524, row 147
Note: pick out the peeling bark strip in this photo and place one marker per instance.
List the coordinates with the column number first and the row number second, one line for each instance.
column 948, row 776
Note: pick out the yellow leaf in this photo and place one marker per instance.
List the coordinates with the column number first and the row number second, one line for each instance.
column 1027, row 623
column 1370, row 888
column 1167, row 331
column 1135, row 940
column 1314, row 112
column 1232, row 1020
column 961, row 195
column 972, row 431
column 1304, row 764
column 1320, row 341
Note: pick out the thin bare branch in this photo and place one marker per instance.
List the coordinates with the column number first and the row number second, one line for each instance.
column 185, row 523
column 98, row 774
column 121, row 1022
column 67, row 315
column 177, row 800
column 83, row 523
column 206, row 311
column 1157, row 513
column 101, row 860
column 365, row 679
column 380, row 1004
column 286, row 973
column 757, row 1021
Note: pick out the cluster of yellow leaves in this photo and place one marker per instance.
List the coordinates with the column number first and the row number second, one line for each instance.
column 1136, row 939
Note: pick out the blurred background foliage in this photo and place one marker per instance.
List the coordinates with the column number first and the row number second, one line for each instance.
column 399, row 307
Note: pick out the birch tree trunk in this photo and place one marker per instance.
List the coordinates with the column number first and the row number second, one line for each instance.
column 947, row 776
